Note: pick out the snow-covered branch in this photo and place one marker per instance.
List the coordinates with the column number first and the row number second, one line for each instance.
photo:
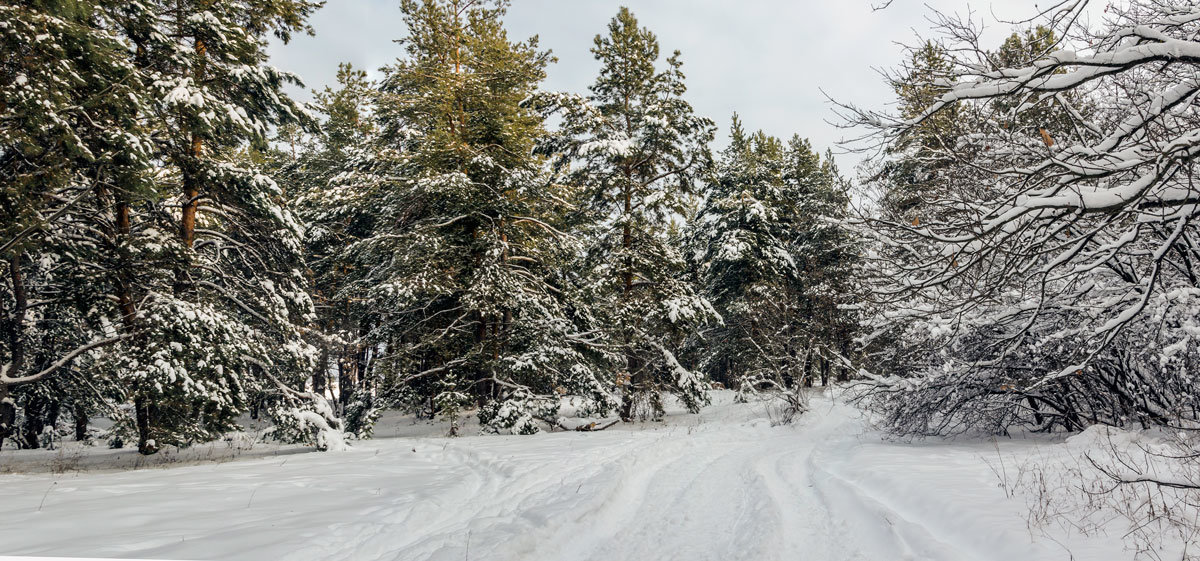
column 13, row 378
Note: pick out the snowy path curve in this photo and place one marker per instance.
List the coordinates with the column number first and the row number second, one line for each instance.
column 723, row 485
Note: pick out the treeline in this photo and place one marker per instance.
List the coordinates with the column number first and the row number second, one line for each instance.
column 185, row 244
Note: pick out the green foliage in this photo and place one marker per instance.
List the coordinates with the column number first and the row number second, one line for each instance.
column 305, row 418
column 121, row 112
column 180, row 236
column 634, row 149
column 923, row 153
column 438, row 236
column 774, row 260
column 1031, row 115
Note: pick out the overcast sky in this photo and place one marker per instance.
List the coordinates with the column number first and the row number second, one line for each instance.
column 768, row 60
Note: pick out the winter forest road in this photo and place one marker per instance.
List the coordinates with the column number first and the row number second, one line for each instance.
column 722, row 485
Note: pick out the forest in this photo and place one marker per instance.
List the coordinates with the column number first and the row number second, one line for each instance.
column 185, row 243
column 186, row 246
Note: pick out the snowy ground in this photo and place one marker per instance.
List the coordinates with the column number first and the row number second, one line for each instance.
column 720, row 485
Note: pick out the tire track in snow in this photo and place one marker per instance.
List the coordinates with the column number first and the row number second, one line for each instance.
column 686, row 505
column 724, row 493
column 888, row 529
column 479, row 492
column 731, row 488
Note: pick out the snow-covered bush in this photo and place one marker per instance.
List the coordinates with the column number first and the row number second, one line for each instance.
column 520, row 413
column 450, row 400
column 784, row 397
column 307, row 419
column 361, row 413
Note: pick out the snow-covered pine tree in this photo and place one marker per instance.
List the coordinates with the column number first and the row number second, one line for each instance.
column 331, row 188
column 69, row 140
column 227, row 310
column 463, row 268
column 634, row 148
column 774, row 261
column 827, row 250
column 743, row 252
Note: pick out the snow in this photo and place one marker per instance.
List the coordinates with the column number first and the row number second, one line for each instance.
column 724, row 484
column 607, row 147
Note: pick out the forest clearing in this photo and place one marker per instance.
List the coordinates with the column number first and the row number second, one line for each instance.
column 467, row 296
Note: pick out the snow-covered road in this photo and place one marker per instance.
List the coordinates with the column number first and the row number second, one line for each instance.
column 722, row 485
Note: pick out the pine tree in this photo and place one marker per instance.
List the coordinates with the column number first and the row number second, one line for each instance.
column 463, row 265
column 634, row 148
column 225, row 303
column 1048, row 119
column 329, row 183
column 773, row 258
column 744, row 255
column 827, row 250
column 69, row 138
column 916, row 170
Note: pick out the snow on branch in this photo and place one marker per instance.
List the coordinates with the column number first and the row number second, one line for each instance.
column 1037, row 232
column 10, row 379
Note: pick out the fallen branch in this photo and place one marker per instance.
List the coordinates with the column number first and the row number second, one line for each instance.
column 590, row 427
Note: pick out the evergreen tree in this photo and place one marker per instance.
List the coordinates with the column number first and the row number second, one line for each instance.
column 331, row 188
column 918, row 161
column 222, row 306
column 774, row 260
column 827, row 251
column 463, row 265
column 634, row 148
column 1051, row 118
column 69, row 139
column 744, row 256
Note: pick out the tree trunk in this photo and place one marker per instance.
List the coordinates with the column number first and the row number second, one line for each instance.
column 187, row 220
column 53, row 409
column 362, row 366
column 346, row 373
column 8, row 413
column 35, row 422
column 146, row 444
column 191, row 172
column 805, row 370
column 124, row 288
column 16, row 329
column 627, row 236
column 191, row 191
column 627, row 406
column 633, row 376
column 1037, row 412
column 320, row 374
column 81, row 422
